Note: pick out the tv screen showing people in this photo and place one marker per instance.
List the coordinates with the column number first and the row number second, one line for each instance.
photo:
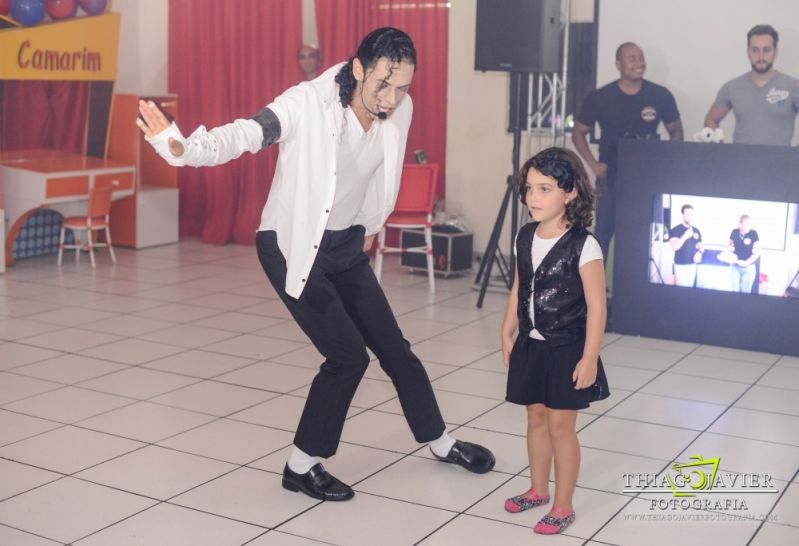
column 733, row 245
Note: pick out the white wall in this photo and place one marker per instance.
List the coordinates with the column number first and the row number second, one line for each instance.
column 142, row 67
column 309, row 33
column 693, row 47
column 478, row 146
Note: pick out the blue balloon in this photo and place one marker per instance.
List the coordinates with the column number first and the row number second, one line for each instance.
column 27, row 12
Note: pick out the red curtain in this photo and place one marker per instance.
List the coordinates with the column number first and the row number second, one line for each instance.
column 342, row 24
column 44, row 114
column 227, row 60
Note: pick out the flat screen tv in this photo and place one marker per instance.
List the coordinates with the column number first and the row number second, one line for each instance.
column 707, row 244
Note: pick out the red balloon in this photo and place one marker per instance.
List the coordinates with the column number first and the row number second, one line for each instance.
column 60, row 9
column 5, row 7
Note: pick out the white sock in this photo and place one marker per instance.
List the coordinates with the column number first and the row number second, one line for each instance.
column 442, row 445
column 300, row 462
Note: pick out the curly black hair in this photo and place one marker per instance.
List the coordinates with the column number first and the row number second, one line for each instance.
column 388, row 42
column 567, row 169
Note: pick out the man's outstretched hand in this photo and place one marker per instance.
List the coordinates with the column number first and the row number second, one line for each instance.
column 152, row 122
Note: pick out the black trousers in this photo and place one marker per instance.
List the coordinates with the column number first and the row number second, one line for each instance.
column 343, row 310
column 605, row 224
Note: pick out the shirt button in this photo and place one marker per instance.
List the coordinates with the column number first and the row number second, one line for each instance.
column 327, row 211
column 303, row 280
column 316, row 246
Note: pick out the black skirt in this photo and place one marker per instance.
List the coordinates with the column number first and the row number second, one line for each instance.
column 541, row 373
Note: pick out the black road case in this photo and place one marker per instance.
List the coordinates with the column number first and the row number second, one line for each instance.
column 452, row 250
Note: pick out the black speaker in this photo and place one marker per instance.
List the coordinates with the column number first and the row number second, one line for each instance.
column 582, row 64
column 518, row 36
column 659, row 214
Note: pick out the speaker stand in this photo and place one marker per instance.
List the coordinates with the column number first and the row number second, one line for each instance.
column 492, row 254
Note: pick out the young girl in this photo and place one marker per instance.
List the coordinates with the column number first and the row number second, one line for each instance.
column 558, row 306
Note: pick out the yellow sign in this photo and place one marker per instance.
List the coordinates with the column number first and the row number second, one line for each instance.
column 84, row 49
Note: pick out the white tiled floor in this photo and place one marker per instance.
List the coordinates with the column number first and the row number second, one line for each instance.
column 154, row 403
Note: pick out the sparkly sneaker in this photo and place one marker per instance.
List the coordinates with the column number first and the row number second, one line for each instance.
column 523, row 502
column 554, row 522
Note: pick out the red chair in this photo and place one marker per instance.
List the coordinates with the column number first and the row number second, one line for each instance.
column 96, row 219
column 414, row 209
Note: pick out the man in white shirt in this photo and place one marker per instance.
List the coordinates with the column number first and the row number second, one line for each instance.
column 342, row 141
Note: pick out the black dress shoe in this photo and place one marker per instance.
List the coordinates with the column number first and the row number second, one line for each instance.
column 317, row 483
column 474, row 458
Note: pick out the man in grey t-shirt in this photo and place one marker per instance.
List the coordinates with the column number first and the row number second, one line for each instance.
column 765, row 101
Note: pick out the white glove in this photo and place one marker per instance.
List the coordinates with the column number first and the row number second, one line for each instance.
column 704, row 135
column 709, row 135
column 160, row 143
column 199, row 150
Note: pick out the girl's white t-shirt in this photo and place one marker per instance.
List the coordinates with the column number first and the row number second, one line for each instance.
column 541, row 247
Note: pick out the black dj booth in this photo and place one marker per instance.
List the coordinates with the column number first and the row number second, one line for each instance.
column 722, row 182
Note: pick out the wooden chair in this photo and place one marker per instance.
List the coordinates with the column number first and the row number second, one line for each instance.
column 96, row 219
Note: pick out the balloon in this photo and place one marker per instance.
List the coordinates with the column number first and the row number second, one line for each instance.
column 27, row 12
column 5, row 6
column 60, row 9
column 93, row 7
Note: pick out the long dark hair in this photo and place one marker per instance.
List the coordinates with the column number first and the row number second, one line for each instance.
column 567, row 169
column 388, row 42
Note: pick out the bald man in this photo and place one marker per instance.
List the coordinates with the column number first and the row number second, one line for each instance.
column 629, row 107
column 310, row 59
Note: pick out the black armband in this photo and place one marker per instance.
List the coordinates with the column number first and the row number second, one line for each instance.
column 270, row 125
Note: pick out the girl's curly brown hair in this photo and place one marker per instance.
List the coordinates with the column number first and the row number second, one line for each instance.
column 567, row 169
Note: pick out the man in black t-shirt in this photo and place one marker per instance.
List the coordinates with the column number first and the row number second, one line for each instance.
column 686, row 242
column 630, row 107
column 745, row 243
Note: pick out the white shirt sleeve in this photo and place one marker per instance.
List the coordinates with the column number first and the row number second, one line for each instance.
column 207, row 148
column 591, row 251
column 291, row 109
